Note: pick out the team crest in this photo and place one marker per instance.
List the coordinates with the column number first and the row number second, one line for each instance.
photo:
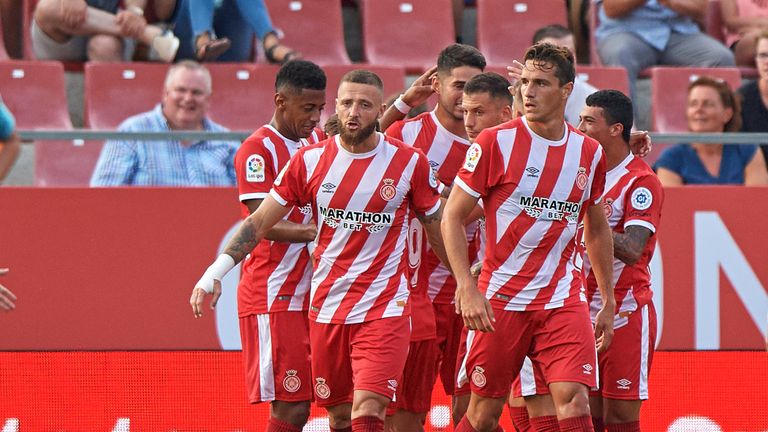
column 581, row 178
column 254, row 171
column 291, row 383
column 388, row 190
column 432, row 179
column 473, row 157
column 321, row 389
column 478, row 377
column 641, row 199
column 608, row 207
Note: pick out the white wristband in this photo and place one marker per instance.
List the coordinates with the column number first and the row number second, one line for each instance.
column 135, row 10
column 401, row 105
column 223, row 264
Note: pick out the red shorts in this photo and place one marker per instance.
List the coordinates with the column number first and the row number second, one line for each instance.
column 559, row 341
column 449, row 326
column 461, row 381
column 367, row 356
column 530, row 382
column 414, row 393
column 625, row 366
column 276, row 356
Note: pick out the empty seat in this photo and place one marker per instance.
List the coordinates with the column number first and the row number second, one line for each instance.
column 605, row 77
column 243, row 95
column 312, row 27
column 392, row 77
column 505, row 28
column 669, row 93
column 406, row 33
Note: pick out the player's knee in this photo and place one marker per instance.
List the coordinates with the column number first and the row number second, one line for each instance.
column 370, row 406
column 484, row 415
column 104, row 48
column 459, row 408
column 339, row 420
column 575, row 404
column 296, row 413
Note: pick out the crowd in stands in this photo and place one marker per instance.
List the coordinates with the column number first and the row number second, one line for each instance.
column 632, row 35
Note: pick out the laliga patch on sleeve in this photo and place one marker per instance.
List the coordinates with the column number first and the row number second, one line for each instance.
column 641, row 199
column 254, row 169
column 473, row 156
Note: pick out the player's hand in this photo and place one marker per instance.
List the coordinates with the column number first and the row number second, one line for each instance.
column 604, row 327
column 421, row 89
column 7, row 298
column 131, row 24
column 198, row 295
column 73, row 12
column 475, row 309
column 640, row 143
column 514, row 71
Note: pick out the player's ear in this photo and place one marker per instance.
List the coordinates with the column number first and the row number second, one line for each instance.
column 279, row 100
column 567, row 89
column 616, row 129
column 436, row 83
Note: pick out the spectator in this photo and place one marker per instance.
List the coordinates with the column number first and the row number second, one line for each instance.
column 561, row 36
column 712, row 107
column 7, row 299
column 224, row 30
column 639, row 34
column 78, row 30
column 10, row 145
column 744, row 21
column 755, row 94
column 185, row 101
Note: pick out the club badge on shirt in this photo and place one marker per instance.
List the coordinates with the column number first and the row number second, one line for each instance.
column 255, row 169
column 473, row 156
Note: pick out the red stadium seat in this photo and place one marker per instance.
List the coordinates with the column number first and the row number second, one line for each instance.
column 393, row 78
column 669, row 93
column 312, row 27
column 505, row 29
column 243, row 94
column 406, row 33
column 605, row 77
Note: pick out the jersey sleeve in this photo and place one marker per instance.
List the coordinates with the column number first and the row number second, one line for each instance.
column 475, row 175
column 643, row 203
column 395, row 130
column 598, row 179
column 255, row 170
column 290, row 186
column 425, row 197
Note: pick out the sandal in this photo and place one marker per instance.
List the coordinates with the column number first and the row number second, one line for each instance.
column 289, row 54
column 212, row 49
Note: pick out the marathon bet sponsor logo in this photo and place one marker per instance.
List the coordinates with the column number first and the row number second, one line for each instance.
column 641, row 198
column 291, row 382
column 473, row 156
column 549, row 209
column 587, row 369
column 355, row 220
column 254, row 172
column 623, row 384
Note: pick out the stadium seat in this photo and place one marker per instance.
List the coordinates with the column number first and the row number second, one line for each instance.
column 393, row 78
column 605, row 77
column 505, row 29
column 406, row 33
column 312, row 27
column 242, row 94
column 669, row 93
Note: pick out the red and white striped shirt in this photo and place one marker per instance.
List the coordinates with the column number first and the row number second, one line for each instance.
column 276, row 275
column 535, row 192
column 633, row 196
column 446, row 152
column 361, row 202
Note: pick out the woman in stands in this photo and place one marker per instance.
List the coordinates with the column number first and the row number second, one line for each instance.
column 743, row 21
column 712, row 107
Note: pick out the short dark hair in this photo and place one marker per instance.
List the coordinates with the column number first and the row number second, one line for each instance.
column 555, row 31
column 617, row 108
column 300, row 74
column 458, row 55
column 559, row 57
column 727, row 97
column 362, row 76
column 492, row 83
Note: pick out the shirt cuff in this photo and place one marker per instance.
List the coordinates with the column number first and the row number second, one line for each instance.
column 252, row 196
column 465, row 187
column 641, row 223
column 282, row 201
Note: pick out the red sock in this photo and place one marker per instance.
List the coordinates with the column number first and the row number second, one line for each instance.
column 520, row 419
column 544, row 424
column 598, row 424
column 464, row 426
column 367, row 424
column 577, row 424
column 346, row 429
column 624, row 427
column 276, row 425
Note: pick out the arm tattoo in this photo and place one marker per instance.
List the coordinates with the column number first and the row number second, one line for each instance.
column 629, row 245
column 434, row 217
column 243, row 242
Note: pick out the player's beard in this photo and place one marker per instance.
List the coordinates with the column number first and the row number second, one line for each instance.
column 358, row 136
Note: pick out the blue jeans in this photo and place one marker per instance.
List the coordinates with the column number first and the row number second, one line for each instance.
column 238, row 20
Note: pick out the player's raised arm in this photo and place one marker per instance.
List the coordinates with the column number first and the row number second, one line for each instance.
column 250, row 233
column 417, row 94
column 599, row 242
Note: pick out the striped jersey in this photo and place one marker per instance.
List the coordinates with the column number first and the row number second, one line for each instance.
column 633, row 196
column 275, row 275
column 361, row 201
column 445, row 152
column 534, row 192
